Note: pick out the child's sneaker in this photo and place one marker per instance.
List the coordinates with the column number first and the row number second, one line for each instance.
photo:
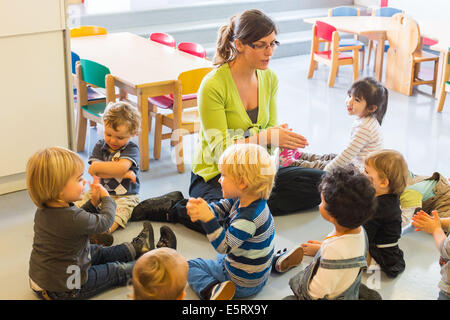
column 284, row 260
column 287, row 156
column 104, row 239
column 167, row 238
column 365, row 293
column 144, row 241
column 223, row 291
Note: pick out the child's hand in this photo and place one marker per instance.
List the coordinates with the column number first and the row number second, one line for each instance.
column 130, row 175
column 198, row 209
column 98, row 191
column 311, row 247
column 423, row 222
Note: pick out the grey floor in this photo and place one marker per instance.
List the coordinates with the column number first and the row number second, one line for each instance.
column 411, row 126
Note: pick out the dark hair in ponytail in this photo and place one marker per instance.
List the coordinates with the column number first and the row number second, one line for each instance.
column 374, row 93
column 249, row 26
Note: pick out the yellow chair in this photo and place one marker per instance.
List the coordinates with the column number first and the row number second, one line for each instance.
column 85, row 31
column 445, row 84
column 180, row 121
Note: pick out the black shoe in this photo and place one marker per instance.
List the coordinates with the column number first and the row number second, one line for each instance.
column 104, row 239
column 157, row 209
column 284, row 260
column 365, row 293
column 167, row 239
column 145, row 240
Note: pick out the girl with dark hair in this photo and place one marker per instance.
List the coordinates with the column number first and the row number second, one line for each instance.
column 367, row 100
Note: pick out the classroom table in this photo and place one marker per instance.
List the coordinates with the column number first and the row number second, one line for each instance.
column 371, row 27
column 140, row 67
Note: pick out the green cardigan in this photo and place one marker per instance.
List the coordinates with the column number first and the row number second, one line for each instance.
column 224, row 118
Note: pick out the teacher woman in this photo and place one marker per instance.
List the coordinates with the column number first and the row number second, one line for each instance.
column 237, row 104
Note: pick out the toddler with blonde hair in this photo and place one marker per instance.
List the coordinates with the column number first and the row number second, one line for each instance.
column 240, row 227
column 160, row 274
column 63, row 264
column 388, row 172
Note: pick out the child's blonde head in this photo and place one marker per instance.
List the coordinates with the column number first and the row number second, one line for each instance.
column 122, row 113
column 48, row 171
column 160, row 274
column 251, row 164
column 390, row 165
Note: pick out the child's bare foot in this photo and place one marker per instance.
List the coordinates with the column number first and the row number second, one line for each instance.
column 311, row 247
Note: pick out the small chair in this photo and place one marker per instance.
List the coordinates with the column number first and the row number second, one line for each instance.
column 380, row 12
column 92, row 95
column 85, row 31
column 95, row 74
column 192, row 48
column 445, row 84
column 349, row 11
column 334, row 58
column 405, row 55
column 179, row 121
column 163, row 38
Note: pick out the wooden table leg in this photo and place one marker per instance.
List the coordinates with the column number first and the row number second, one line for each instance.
column 143, row 135
column 379, row 57
column 440, row 73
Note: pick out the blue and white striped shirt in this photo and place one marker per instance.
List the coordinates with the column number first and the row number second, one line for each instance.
column 246, row 237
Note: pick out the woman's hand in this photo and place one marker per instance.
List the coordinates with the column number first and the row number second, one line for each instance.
column 311, row 247
column 198, row 209
column 282, row 136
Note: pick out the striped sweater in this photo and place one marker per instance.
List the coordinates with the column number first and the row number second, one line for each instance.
column 246, row 237
column 365, row 138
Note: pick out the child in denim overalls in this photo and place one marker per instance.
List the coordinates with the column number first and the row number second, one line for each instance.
column 348, row 200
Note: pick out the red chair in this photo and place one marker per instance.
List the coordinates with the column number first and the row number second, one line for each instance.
column 163, row 38
column 192, row 48
column 334, row 58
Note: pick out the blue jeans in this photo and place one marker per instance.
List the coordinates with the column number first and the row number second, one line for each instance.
column 110, row 267
column 203, row 273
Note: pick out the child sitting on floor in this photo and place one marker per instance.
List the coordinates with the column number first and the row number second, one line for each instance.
column 367, row 100
column 240, row 227
column 160, row 274
column 388, row 171
column 115, row 159
column 63, row 265
column 437, row 227
column 348, row 200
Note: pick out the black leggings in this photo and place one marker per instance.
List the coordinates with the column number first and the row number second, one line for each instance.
column 295, row 190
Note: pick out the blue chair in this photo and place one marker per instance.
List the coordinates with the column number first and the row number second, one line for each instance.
column 381, row 12
column 92, row 95
column 348, row 11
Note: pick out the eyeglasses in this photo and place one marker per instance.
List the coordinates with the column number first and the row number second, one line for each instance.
column 261, row 47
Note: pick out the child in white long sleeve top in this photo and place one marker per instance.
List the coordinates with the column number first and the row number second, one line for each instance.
column 367, row 100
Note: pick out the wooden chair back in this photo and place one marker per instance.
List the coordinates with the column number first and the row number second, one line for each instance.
column 404, row 41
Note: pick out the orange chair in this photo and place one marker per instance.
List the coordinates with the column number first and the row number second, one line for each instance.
column 334, row 58
column 445, row 84
column 85, row 31
column 192, row 48
column 180, row 121
column 163, row 38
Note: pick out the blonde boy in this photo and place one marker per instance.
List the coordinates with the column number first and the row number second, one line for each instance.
column 115, row 159
column 160, row 274
column 240, row 227
column 63, row 265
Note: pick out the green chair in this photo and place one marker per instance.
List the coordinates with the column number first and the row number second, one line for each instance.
column 445, row 83
column 94, row 74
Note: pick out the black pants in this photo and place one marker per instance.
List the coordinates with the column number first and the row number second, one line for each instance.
column 295, row 190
